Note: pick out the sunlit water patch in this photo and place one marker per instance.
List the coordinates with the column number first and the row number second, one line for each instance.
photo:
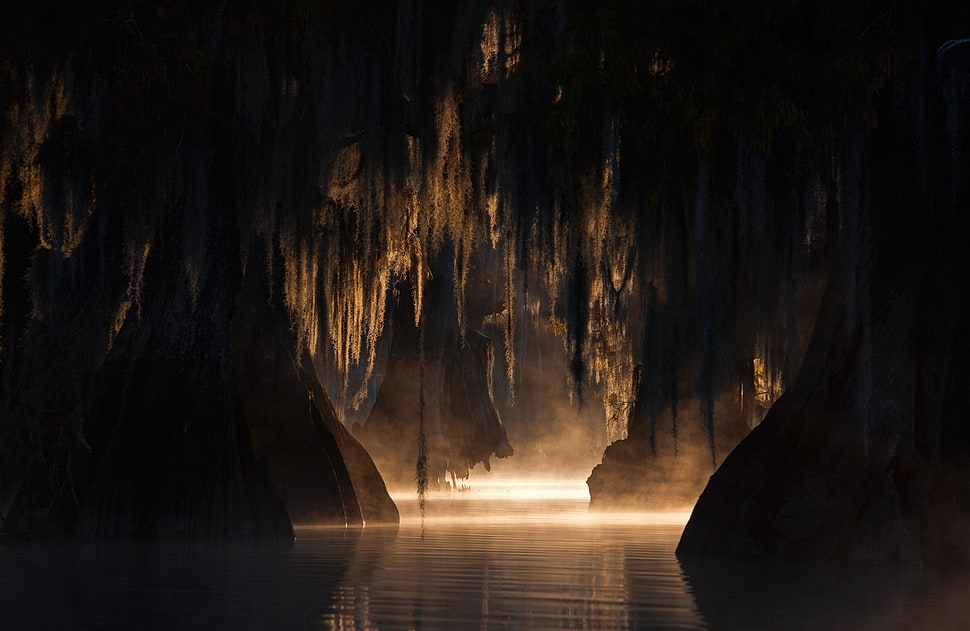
column 523, row 556
column 497, row 556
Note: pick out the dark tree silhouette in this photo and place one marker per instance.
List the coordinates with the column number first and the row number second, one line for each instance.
column 205, row 207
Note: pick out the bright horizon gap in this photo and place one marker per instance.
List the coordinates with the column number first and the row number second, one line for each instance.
column 509, row 485
column 557, row 499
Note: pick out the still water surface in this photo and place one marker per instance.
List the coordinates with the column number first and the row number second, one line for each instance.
column 488, row 558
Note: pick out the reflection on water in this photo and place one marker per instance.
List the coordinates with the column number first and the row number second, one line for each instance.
column 769, row 595
column 489, row 558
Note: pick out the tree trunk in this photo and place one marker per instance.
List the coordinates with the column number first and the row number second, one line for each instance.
column 321, row 472
column 435, row 389
column 865, row 456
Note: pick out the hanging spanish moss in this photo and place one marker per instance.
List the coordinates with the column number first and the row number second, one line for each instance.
column 489, row 126
column 285, row 198
column 421, row 466
column 478, row 136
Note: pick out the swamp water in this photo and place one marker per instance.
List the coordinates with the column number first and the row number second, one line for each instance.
column 499, row 557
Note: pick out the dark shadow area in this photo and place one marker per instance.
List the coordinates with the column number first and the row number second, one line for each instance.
column 160, row 585
column 740, row 594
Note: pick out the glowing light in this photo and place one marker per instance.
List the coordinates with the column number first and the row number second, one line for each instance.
column 505, row 500
column 384, row 203
column 768, row 383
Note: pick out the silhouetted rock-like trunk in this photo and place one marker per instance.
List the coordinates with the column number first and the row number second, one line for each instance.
column 201, row 422
column 321, row 472
column 865, row 456
column 661, row 472
column 153, row 440
column 443, row 378
column 153, row 379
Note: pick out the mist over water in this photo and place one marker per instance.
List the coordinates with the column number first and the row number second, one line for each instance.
column 509, row 553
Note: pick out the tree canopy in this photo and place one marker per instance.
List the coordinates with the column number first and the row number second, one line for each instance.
column 665, row 183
